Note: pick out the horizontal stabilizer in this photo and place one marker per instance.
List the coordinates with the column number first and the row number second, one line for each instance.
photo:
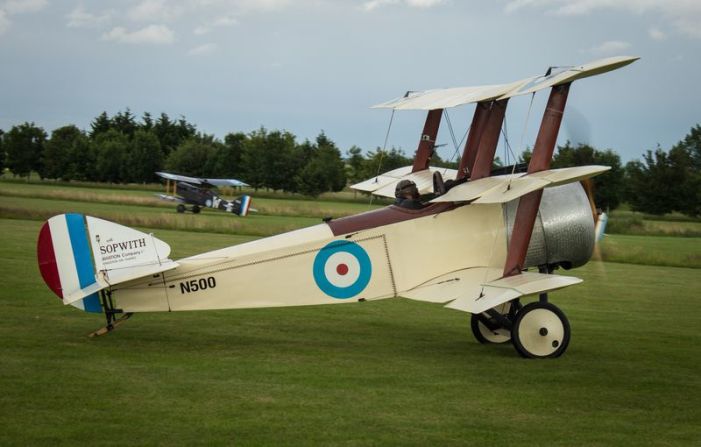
column 504, row 188
column 384, row 185
column 81, row 255
column 500, row 291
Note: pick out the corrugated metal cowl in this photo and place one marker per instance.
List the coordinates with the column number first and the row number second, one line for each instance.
column 564, row 229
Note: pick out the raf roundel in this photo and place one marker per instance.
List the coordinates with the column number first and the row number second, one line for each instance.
column 342, row 269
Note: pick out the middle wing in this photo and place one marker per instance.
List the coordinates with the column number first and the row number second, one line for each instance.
column 504, row 188
column 383, row 185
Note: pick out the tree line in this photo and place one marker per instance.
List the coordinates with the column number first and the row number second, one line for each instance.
column 124, row 149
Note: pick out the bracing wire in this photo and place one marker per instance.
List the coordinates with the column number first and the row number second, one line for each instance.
column 384, row 146
column 382, row 153
column 456, row 144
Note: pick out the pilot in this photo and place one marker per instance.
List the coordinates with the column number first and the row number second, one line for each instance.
column 407, row 195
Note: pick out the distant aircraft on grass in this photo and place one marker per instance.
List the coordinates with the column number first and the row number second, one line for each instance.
column 201, row 193
column 469, row 247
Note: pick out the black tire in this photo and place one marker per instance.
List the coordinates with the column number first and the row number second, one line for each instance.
column 195, row 209
column 485, row 335
column 180, row 208
column 540, row 330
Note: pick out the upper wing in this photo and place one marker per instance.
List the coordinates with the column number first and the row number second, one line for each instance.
column 202, row 181
column 452, row 97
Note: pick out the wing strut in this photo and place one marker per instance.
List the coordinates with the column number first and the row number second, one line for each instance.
column 469, row 153
column 428, row 140
column 540, row 160
column 488, row 141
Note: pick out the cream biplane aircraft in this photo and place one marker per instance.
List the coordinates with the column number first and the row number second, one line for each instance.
column 469, row 248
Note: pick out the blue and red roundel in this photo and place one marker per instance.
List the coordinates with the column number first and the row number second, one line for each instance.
column 342, row 269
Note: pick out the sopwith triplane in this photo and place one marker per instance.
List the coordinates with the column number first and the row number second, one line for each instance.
column 480, row 245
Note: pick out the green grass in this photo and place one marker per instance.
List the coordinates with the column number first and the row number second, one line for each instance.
column 275, row 204
column 632, row 223
column 394, row 372
column 154, row 217
column 652, row 250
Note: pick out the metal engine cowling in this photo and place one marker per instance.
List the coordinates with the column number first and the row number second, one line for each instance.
column 563, row 233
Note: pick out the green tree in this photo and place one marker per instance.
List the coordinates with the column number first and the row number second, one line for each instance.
column 227, row 160
column 354, row 165
column 111, row 149
column 82, row 159
column 381, row 161
column 146, row 122
column 101, row 124
column 325, row 171
column 2, row 153
column 57, row 153
column 192, row 157
column 145, row 157
column 171, row 133
column 608, row 186
column 23, row 145
column 282, row 161
column 685, row 156
column 125, row 122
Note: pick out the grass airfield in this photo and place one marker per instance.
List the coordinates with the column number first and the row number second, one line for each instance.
column 393, row 372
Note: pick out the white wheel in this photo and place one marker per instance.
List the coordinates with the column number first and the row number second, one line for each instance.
column 485, row 335
column 540, row 330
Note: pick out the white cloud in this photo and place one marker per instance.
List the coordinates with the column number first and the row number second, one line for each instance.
column 656, row 34
column 23, row 6
column 154, row 10
column 683, row 15
column 4, row 22
column 80, row 18
column 152, row 34
column 220, row 22
column 372, row 5
column 207, row 48
column 610, row 47
column 11, row 7
column 423, row 3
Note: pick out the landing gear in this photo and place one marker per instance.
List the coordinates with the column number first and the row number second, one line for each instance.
column 181, row 208
column 540, row 330
column 537, row 330
column 494, row 325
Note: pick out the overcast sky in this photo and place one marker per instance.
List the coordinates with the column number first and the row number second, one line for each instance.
column 312, row 65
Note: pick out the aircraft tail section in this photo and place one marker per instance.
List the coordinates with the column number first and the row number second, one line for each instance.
column 81, row 255
column 242, row 205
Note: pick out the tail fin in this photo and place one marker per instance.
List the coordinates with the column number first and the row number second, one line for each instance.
column 242, row 205
column 81, row 255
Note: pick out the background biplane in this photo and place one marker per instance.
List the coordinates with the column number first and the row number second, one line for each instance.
column 201, row 193
column 469, row 248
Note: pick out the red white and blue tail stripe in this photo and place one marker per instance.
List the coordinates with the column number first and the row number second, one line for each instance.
column 81, row 255
column 65, row 261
